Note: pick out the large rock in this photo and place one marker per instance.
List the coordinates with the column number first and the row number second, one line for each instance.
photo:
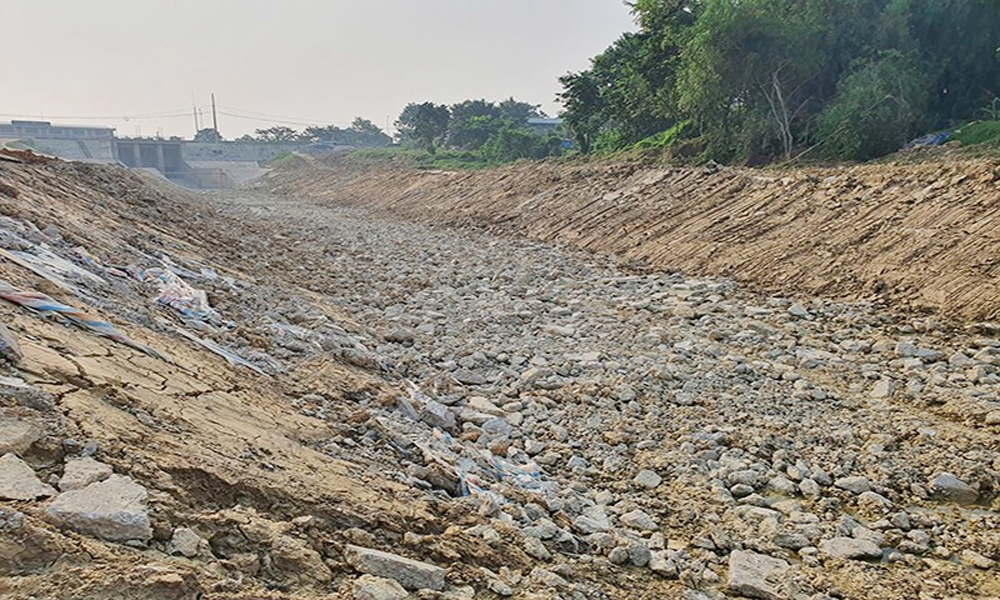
column 184, row 541
column 19, row 482
column 948, row 487
column 844, row 547
column 81, row 472
column 593, row 520
column 17, row 436
column 411, row 574
column 756, row 575
column 469, row 377
column 648, row 479
column 437, row 415
column 857, row 485
column 297, row 561
column 367, row 587
column 113, row 510
column 640, row 520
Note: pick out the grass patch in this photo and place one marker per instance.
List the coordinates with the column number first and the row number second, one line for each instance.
column 980, row 132
column 282, row 158
column 445, row 160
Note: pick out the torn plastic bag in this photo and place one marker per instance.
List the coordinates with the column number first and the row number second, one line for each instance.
column 44, row 304
column 177, row 294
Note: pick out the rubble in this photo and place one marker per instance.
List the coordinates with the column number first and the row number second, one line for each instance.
column 411, row 574
column 19, row 482
column 756, row 575
column 537, row 420
column 113, row 510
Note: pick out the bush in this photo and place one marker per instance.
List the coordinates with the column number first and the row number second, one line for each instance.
column 515, row 143
column 878, row 108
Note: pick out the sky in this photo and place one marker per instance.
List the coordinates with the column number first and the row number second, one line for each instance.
column 142, row 65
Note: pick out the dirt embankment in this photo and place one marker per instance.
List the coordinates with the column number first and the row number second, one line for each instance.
column 236, row 460
column 922, row 236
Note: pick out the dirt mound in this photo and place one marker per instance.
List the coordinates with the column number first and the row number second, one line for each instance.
column 922, row 236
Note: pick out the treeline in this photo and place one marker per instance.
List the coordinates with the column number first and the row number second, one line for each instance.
column 497, row 132
column 760, row 80
column 362, row 133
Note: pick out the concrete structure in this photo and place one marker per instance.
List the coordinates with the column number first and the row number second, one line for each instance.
column 73, row 142
column 46, row 130
column 191, row 164
column 544, row 126
column 162, row 155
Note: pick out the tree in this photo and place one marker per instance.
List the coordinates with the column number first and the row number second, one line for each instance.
column 317, row 133
column 278, row 133
column 881, row 104
column 519, row 112
column 472, row 123
column 424, row 124
column 207, row 135
column 585, row 112
column 751, row 76
column 368, row 133
column 514, row 143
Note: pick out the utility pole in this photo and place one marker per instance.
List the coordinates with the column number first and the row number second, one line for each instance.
column 215, row 118
column 194, row 110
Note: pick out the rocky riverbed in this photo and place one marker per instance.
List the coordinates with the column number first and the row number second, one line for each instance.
column 425, row 412
column 659, row 421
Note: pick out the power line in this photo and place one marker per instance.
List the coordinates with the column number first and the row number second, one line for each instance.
column 161, row 115
column 274, row 118
column 185, row 113
column 278, row 121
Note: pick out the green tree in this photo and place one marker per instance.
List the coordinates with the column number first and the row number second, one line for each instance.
column 472, row 123
column 881, row 104
column 514, row 143
column 369, row 134
column 519, row 112
column 278, row 133
column 585, row 110
column 751, row 76
column 424, row 124
column 208, row 135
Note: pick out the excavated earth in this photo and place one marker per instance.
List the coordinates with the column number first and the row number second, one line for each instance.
column 545, row 381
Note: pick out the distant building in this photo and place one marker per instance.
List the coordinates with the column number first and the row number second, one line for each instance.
column 544, row 126
column 44, row 130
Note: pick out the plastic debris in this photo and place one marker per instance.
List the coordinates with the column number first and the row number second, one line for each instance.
column 44, row 304
column 930, row 140
column 179, row 295
column 230, row 357
column 95, row 263
column 51, row 268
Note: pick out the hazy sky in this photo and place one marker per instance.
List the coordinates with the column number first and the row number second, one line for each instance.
column 307, row 61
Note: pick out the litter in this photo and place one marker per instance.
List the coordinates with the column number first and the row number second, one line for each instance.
column 95, row 263
column 50, row 267
column 931, row 139
column 44, row 304
column 230, row 357
column 177, row 294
